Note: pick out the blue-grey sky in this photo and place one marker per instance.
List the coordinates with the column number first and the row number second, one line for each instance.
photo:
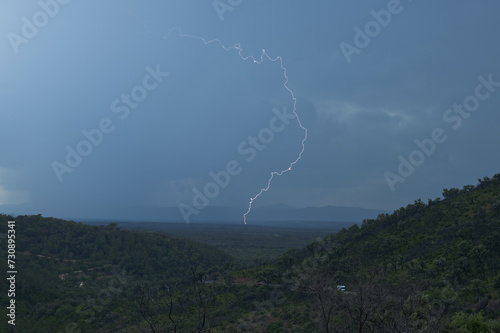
column 161, row 111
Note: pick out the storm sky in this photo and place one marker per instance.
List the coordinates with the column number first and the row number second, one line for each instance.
column 109, row 105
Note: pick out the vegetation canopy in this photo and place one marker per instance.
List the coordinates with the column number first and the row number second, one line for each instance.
column 428, row 267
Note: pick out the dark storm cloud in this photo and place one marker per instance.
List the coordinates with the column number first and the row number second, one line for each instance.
column 361, row 114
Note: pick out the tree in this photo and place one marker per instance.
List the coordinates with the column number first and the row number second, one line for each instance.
column 469, row 323
column 315, row 282
column 267, row 275
column 451, row 193
column 151, row 305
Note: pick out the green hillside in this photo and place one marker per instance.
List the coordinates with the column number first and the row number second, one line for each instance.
column 431, row 263
column 428, row 267
column 74, row 275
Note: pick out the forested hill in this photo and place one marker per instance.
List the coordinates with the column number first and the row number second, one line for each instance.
column 74, row 274
column 139, row 253
column 428, row 267
column 445, row 252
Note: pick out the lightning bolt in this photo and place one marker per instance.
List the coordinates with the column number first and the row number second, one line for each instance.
column 279, row 173
column 258, row 60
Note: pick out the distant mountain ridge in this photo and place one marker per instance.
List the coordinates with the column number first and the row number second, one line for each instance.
column 326, row 213
column 221, row 214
